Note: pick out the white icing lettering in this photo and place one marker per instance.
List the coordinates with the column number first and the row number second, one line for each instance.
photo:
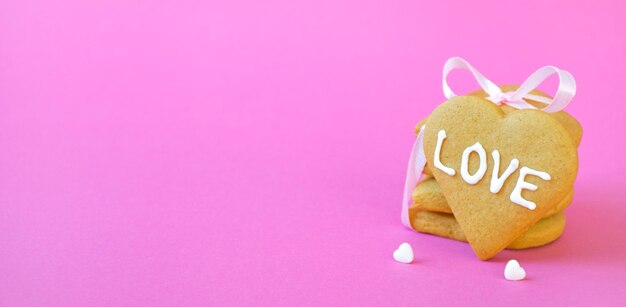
column 440, row 137
column 516, row 195
column 498, row 182
column 482, row 168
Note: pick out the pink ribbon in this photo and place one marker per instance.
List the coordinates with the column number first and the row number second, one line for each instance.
column 564, row 94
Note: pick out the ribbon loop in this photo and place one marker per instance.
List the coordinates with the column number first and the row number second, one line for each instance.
column 517, row 99
column 564, row 93
column 456, row 62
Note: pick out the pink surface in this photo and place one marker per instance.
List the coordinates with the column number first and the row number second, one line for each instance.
column 237, row 153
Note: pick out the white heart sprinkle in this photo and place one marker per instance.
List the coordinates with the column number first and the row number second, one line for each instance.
column 404, row 253
column 513, row 271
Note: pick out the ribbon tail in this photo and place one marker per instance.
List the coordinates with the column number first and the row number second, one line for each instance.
column 417, row 161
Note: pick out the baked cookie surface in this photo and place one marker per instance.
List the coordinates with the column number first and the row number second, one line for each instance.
column 460, row 139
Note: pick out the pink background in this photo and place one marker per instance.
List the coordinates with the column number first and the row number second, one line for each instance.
column 237, row 153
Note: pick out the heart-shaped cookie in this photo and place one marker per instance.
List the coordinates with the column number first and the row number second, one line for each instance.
column 535, row 165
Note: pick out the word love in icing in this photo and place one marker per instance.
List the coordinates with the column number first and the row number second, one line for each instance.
column 497, row 181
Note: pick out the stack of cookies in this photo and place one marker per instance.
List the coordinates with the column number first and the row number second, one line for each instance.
column 431, row 213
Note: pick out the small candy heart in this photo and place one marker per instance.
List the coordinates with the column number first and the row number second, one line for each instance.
column 513, row 271
column 404, row 253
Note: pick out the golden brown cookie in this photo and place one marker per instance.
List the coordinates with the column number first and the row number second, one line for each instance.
column 428, row 196
column 545, row 231
column 437, row 223
column 500, row 172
